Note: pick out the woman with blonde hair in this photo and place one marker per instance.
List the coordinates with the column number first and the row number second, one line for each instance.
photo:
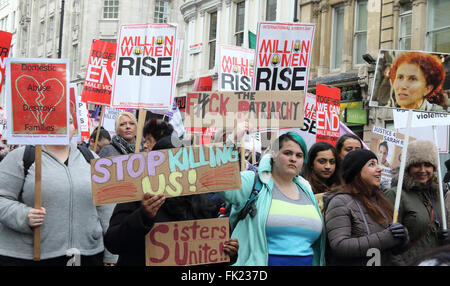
column 124, row 141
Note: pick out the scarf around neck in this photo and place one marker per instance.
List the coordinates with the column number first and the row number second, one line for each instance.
column 122, row 145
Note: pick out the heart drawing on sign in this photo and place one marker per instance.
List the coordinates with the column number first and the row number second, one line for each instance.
column 40, row 98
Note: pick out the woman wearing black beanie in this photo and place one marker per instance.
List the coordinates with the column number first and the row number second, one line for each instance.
column 358, row 217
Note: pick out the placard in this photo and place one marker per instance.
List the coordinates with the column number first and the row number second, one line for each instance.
column 236, row 68
column 173, row 172
column 328, row 110
column 263, row 109
column 5, row 44
column 420, row 119
column 283, row 53
column 143, row 76
column 37, row 100
column 84, row 119
column 97, row 87
column 411, row 80
column 184, row 243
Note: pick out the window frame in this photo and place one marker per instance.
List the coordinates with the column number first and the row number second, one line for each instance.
column 239, row 33
column 357, row 33
column 212, row 41
column 403, row 15
column 267, row 10
column 333, row 36
column 431, row 31
column 161, row 15
column 115, row 14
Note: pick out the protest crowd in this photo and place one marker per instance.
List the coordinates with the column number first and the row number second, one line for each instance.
column 140, row 193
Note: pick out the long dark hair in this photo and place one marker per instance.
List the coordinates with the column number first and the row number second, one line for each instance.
column 319, row 185
column 381, row 209
column 158, row 128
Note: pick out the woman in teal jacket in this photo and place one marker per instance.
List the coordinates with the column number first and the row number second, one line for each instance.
column 288, row 228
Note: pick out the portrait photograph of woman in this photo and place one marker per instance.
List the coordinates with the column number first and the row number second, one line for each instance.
column 412, row 80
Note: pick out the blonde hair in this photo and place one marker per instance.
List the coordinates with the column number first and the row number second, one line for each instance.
column 125, row 113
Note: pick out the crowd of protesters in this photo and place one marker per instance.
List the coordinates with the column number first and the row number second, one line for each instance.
column 319, row 206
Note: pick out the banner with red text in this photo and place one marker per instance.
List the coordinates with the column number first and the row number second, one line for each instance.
column 328, row 110
column 143, row 76
column 98, row 83
column 191, row 242
column 283, row 53
column 236, row 68
column 5, row 44
column 37, row 101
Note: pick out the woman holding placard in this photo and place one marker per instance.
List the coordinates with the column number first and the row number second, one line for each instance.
column 124, row 141
column 130, row 222
column 420, row 209
column 417, row 79
column 358, row 216
column 68, row 219
column 285, row 226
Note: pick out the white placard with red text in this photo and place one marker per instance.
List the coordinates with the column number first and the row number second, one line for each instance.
column 236, row 68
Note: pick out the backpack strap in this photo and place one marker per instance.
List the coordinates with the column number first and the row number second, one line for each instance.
column 87, row 154
column 250, row 207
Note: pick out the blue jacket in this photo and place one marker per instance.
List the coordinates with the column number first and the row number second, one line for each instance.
column 251, row 231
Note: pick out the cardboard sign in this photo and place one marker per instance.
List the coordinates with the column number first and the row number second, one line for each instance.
column 98, row 83
column 184, row 243
column 37, row 101
column 74, row 105
column 263, row 109
column 236, row 68
column 283, row 53
column 328, row 103
column 143, row 77
column 5, row 44
column 411, row 80
column 173, row 172
column 308, row 132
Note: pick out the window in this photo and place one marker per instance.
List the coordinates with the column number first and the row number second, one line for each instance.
column 360, row 32
column 337, row 36
column 110, row 9
column 50, row 28
column 271, row 10
column 405, row 18
column 41, row 32
column 4, row 23
column 239, row 29
column 438, row 26
column 212, row 39
column 161, row 14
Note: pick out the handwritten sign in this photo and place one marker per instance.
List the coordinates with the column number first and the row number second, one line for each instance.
column 283, row 53
column 263, row 109
column 184, row 243
column 37, row 101
column 173, row 172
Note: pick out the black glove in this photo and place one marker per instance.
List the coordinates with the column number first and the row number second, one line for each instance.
column 398, row 230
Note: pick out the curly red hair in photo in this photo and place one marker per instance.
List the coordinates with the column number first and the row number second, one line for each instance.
column 432, row 69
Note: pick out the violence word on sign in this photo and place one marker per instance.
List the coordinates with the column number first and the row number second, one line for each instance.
column 173, row 172
column 183, row 243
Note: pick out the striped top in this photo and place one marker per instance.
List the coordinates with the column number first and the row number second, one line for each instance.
column 292, row 225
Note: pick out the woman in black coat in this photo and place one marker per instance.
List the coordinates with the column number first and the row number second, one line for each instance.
column 130, row 222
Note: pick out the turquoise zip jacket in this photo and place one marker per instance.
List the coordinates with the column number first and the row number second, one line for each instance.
column 251, row 231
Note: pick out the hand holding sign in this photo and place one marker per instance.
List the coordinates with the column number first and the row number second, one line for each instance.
column 151, row 204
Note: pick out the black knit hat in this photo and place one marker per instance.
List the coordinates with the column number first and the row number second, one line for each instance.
column 353, row 162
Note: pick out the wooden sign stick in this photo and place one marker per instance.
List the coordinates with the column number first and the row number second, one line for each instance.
column 37, row 200
column 102, row 114
column 141, row 121
column 243, row 153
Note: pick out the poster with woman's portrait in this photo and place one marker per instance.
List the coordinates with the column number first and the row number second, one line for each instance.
column 415, row 80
